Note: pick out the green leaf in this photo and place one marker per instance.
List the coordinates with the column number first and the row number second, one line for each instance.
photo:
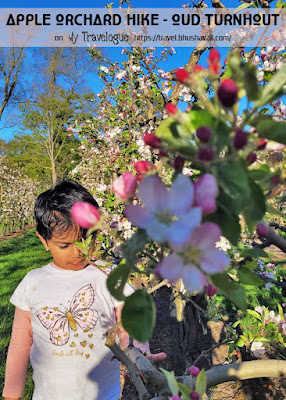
column 250, row 81
column 239, row 342
column 273, row 210
column 273, row 130
column 243, row 7
column 248, row 277
column 232, row 178
column 273, row 89
column 201, row 382
column 236, row 324
column 138, row 315
column 256, row 206
column 254, row 252
column 199, row 118
column 279, row 4
column 117, row 280
column 280, row 312
column 229, row 288
column 173, row 385
column 254, row 314
column 185, row 390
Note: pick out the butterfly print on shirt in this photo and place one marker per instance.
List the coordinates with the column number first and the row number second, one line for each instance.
column 59, row 323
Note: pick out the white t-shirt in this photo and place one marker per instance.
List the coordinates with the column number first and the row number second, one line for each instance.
column 70, row 312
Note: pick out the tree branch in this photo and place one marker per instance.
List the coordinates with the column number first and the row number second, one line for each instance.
column 244, row 370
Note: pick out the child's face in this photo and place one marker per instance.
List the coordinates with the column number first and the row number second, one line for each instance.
column 64, row 252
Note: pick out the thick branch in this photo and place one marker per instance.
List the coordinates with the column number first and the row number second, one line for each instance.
column 124, row 359
column 150, row 373
column 244, row 370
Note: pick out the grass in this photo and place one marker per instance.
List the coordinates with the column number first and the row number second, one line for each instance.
column 17, row 257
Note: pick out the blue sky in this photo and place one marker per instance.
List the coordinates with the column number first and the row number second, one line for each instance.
column 179, row 59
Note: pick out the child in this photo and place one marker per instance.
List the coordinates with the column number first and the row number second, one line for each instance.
column 62, row 312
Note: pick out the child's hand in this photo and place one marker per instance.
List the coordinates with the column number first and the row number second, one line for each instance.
column 156, row 357
column 151, row 357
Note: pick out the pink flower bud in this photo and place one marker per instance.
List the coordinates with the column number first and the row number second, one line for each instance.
column 227, row 92
column 198, row 69
column 261, row 144
column 214, row 56
column 194, row 371
column 240, row 139
column 262, row 229
column 211, row 290
column 214, row 68
column 204, row 133
column 85, row 214
column 206, row 191
column 125, row 185
column 143, row 167
column 275, row 180
column 171, row 109
column 182, row 75
column 179, row 163
column 251, row 158
column 206, row 154
column 152, row 140
column 194, row 396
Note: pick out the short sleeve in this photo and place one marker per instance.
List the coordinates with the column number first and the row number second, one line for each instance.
column 128, row 290
column 20, row 296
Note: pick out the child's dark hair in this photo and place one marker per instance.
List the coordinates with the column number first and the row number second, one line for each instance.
column 53, row 208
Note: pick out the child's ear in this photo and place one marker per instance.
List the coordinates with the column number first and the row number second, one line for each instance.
column 43, row 241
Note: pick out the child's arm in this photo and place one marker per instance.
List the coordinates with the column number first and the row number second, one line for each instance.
column 124, row 337
column 18, row 355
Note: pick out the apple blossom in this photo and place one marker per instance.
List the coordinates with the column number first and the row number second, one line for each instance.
column 152, row 140
column 167, row 215
column 125, row 185
column 206, row 191
column 85, row 214
column 143, row 167
column 257, row 348
column 171, row 109
column 182, row 75
column 194, row 257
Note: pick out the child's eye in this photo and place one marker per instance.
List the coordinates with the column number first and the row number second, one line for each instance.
column 64, row 247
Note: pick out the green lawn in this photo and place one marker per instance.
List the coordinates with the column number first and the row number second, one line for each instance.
column 17, row 257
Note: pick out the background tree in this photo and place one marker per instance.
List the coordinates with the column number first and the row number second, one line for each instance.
column 59, row 96
column 11, row 66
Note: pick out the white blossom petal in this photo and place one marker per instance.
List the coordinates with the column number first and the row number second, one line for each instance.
column 214, row 261
column 153, row 193
column 181, row 195
column 139, row 216
column 170, row 268
column 193, row 279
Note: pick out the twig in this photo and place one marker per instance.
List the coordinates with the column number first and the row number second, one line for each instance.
column 204, row 353
column 268, row 279
column 156, row 287
column 131, row 366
